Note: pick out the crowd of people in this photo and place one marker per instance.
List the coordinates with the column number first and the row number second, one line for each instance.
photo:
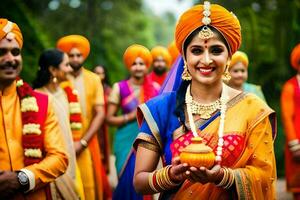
column 54, row 134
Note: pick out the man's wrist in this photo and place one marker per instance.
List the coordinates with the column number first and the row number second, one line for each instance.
column 23, row 180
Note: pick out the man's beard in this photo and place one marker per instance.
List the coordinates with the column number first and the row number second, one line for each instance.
column 159, row 70
column 76, row 66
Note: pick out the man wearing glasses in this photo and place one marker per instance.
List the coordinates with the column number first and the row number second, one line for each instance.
column 32, row 151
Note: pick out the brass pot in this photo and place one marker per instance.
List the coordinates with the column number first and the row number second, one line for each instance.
column 198, row 154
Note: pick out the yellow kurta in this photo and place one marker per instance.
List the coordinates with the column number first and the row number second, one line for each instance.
column 11, row 151
column 90, row 93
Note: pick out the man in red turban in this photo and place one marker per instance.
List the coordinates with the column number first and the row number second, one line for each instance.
column 32, row 151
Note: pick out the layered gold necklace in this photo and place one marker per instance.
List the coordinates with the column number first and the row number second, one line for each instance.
column 204, row 110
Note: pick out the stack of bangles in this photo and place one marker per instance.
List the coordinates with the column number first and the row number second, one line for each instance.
column 159, row 180
column 228, row 178
column 294, row 145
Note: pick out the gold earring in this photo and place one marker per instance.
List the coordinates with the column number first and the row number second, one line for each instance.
column 185, row 74
column 226, row 75
column 54, row 79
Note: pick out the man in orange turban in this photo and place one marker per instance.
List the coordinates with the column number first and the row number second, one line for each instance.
column 161, row 62
column 238, row 70
column 91, row 98
column 126, row 95
column 32, row 152
column 290, row 109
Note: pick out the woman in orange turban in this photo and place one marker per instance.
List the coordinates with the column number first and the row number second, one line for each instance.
column 238, row 70
column 126, row 95
column 290, row 109
column 235, row 164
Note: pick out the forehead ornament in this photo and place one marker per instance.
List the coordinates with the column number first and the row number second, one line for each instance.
column 206, row 32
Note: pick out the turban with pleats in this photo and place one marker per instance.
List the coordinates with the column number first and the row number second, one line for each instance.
column 221, row 19
column 67, row 43
column 295, row 57
column 133, row 52
column 239, row 56
column 163, row 52
column 10, row 29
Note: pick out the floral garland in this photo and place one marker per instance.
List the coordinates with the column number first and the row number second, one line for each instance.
column 74, row 110
column 32, row 137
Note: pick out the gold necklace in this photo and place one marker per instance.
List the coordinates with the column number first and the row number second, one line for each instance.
column 204, row 110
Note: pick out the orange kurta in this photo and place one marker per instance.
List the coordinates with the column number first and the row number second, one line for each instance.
column 90, row 93
column 11, row 150
column 290, row 108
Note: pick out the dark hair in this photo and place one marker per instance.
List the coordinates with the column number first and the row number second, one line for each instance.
column 180, row 97
column 50, row 57
column 106, row 79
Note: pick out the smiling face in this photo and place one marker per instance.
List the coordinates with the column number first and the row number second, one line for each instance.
column 239, row 74
column 10, row 61
column 64, row 69
column 206, row 59
column 138, row 69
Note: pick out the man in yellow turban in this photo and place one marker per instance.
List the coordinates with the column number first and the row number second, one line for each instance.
column 126, row 95
column 91, row 98
column 161, row 63
column 238, row 70
column 290, row 109
column 32, row 152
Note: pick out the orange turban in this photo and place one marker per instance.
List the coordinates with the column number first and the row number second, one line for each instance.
column 67, row 43
column 7, row 28
column 295, row 57
column 133, row 52
column 163, row 52
column 173, row 51
column 239, row 56
column 221, row 19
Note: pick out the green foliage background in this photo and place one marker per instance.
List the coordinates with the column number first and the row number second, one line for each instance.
column 270, row 29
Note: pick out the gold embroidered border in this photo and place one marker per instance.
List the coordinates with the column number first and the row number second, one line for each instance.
column 148, row 139
column 151, row 123
column 243, row 185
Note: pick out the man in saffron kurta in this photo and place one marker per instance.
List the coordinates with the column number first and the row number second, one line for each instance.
column 161, row 62
column 91, row 99
column 33, row 178
column 290, row 109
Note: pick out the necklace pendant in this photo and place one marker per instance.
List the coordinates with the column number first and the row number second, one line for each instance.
column 205, row 115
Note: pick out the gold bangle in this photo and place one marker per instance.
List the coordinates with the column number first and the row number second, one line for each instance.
column 84, row 143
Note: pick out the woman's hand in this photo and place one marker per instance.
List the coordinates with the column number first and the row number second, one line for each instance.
column 177, row 172
column 204, row 175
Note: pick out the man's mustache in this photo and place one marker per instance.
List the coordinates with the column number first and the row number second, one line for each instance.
column 9, row 64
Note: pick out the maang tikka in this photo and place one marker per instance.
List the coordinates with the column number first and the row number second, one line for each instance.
column 206, row 33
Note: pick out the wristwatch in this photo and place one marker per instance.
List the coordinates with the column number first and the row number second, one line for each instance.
column 23, row 180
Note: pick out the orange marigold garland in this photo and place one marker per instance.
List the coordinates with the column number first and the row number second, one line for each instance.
column 75, row 111
column 32, row 135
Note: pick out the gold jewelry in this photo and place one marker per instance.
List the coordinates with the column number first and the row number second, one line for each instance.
column 185, row 74
column 206, row 32
column 204, row 110
column 226, row 75
column 54, row 79
column 84, row 143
